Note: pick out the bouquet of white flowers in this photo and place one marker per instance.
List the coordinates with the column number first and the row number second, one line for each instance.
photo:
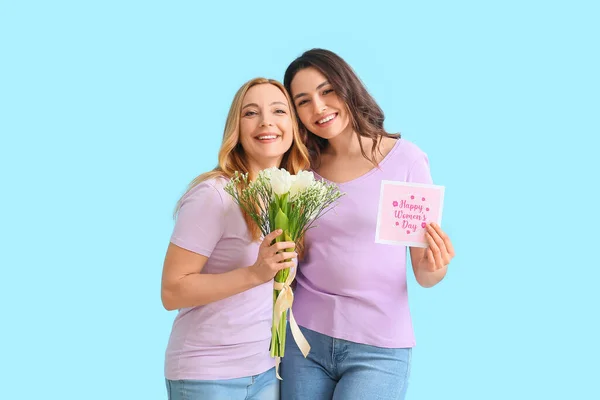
column 292, row 203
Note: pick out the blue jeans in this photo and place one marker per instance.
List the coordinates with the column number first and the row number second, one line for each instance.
column 264, row 386
column 341, row 370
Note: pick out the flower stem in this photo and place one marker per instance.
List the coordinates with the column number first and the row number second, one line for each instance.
column 282, row 326
column 274, row 330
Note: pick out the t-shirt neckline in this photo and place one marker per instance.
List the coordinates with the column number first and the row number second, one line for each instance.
column 368, row 173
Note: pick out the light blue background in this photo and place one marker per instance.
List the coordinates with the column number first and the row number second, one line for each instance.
column 108, row 109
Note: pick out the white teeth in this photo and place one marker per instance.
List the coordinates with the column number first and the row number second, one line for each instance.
column 267, row 137
column 326, row 119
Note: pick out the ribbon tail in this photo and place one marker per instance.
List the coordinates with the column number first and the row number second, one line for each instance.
column 283, row 302
column 299, row 338
column 277, row 362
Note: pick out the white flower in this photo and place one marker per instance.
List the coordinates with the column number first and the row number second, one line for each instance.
column 301, row 182
column 281, row 181
column 267, row 172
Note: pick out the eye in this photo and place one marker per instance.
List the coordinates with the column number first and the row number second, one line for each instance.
column 327, row 91
column 302, row 102
column 280, row 111
column 250, row 113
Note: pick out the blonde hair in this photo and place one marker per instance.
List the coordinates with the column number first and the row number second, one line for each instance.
column 232, row 157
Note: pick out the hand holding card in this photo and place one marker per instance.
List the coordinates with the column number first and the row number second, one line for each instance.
column 440, row 250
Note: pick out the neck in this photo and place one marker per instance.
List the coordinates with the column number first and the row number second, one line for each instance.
column 255, row 166
column 346, row 144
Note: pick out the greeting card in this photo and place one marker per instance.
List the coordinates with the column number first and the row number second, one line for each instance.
column 404, row 211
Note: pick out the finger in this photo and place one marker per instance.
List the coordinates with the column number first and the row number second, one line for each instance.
column 284, row 256
column 435, row 250
column 431, row 228
column 284, row 265
column 447, row 243
column 445, row 238
column 431, row 257
column 270, row 237
column 283, row 246
column 440, row 244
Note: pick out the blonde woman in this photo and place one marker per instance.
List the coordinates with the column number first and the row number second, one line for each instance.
column 217, row 272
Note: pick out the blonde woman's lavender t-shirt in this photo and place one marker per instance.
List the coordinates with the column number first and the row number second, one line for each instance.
column 348, row 286
column 228, row 338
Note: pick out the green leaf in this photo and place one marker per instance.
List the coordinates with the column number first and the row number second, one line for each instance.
column 282, row 222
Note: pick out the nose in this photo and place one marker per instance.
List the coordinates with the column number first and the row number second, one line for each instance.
column 318, row 106
column 266, row 121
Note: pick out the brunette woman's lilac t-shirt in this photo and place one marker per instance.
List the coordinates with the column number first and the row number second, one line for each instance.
column 228, row 338
column 348, row 286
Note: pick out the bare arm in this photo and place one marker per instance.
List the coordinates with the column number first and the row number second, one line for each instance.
column 184, row 286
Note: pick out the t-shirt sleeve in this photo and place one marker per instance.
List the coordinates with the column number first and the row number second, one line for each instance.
column 200, row 221
column 419, row 170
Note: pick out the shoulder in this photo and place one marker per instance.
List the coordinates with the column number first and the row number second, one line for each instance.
column 410, row 149
column 218, row 185
column 406, row 153
column 210, row 191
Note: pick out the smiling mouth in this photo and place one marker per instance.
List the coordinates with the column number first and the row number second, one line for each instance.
column 268, row 137
column 327, row 119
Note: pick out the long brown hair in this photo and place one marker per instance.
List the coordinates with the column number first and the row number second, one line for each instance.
column 232, row 157
column 366, row 116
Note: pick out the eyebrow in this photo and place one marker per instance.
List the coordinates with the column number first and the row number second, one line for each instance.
column 256, row 105
column 305, row 94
